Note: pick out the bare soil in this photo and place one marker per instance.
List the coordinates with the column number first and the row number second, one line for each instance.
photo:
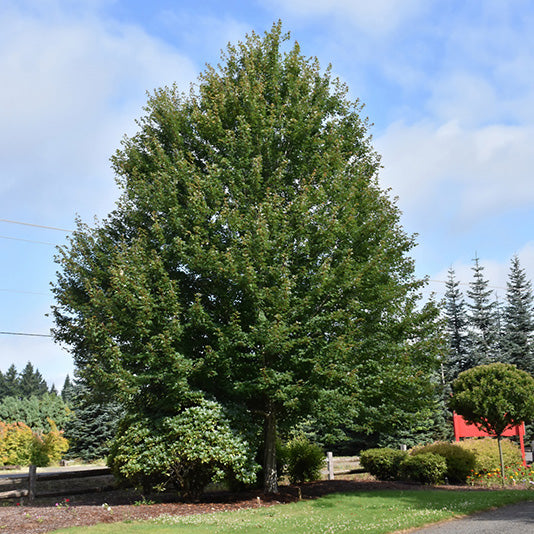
column 46, row 515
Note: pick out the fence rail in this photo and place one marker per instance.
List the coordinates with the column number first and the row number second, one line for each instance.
column 33, row 484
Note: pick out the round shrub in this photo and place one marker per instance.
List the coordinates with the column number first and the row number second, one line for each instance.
column 189, row 450
column 486, row 451
column 427, row 468
column 460, row 461
column 304, row 460
column 383, row 463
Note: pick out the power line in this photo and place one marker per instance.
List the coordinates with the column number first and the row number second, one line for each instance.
column 28, row 240
column 36, row 225
column 24, row 334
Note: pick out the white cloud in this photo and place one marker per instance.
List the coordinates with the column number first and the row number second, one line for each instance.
column 72, row 87
column 379, row 16
column 485, row 170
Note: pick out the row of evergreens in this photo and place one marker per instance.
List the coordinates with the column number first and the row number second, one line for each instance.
column 484, row 329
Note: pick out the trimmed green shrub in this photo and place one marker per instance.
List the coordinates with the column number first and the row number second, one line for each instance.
column 486, row 452
column 425, row 468
column 460, row 461
column 304, row 460
column 382, row 463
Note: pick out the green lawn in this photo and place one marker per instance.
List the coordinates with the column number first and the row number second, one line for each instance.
column 366, row 511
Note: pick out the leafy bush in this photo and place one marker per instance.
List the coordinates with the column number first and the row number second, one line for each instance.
column 189, row 450
column 425, row 468
column 15, row 443
column 382, row 463
column 460, row 461
column 19, row 445
column 486, row 452
column 303, row 460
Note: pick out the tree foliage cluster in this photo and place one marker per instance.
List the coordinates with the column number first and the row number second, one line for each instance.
column 494, row 397
column 483, row 329
column 29, row 382
column 253, row 262
column 36, row 412
column 92, row 423
column 20, row 445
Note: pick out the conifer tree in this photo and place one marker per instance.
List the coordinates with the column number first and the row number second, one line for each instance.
column 518, row 319
column 31, row 382
column 92, row 425
column 68, row 390
column 458, row 358
column 10, row 383
column 483, row 334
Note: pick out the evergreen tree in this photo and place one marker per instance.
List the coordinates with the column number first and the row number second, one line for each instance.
column 252, row 258
column 68, row 390
column 458, row 358
column 92, row 426
column 31, row 382
column 483, row 334
column 10, row 383
column 518, row 319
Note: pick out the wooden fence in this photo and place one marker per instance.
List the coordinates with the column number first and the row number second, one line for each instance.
column 55, row 484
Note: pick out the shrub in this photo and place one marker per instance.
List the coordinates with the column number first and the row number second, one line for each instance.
column 486, row 453
column 382, row 463
column 19, row 445
column 304, row 460
column 15, row 443
column 425, row 468
column 460, row 461
column 189, row 450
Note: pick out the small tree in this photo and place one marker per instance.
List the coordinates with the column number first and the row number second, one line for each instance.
column 456, row 329
column 482, row 320
column 518, row 319
column 494, row 397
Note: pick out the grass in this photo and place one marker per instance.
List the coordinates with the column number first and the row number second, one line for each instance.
column 376, row 512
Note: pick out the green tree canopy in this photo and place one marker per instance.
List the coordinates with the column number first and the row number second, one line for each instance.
column 252, row 258
column 35, row 411
column 9, row 382
column 493, row 397
column 31, row 382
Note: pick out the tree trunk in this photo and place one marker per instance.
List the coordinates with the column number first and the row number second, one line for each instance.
column 501, row 459
column 270, row 478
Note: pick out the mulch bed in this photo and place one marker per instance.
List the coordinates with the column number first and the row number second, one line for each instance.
column 45, row 515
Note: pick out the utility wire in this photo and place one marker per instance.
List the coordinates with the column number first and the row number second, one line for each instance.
column 28, row 240
column 36, row 225
column 24, row 334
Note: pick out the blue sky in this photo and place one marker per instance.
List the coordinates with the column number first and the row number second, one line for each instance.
column 448, row 85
